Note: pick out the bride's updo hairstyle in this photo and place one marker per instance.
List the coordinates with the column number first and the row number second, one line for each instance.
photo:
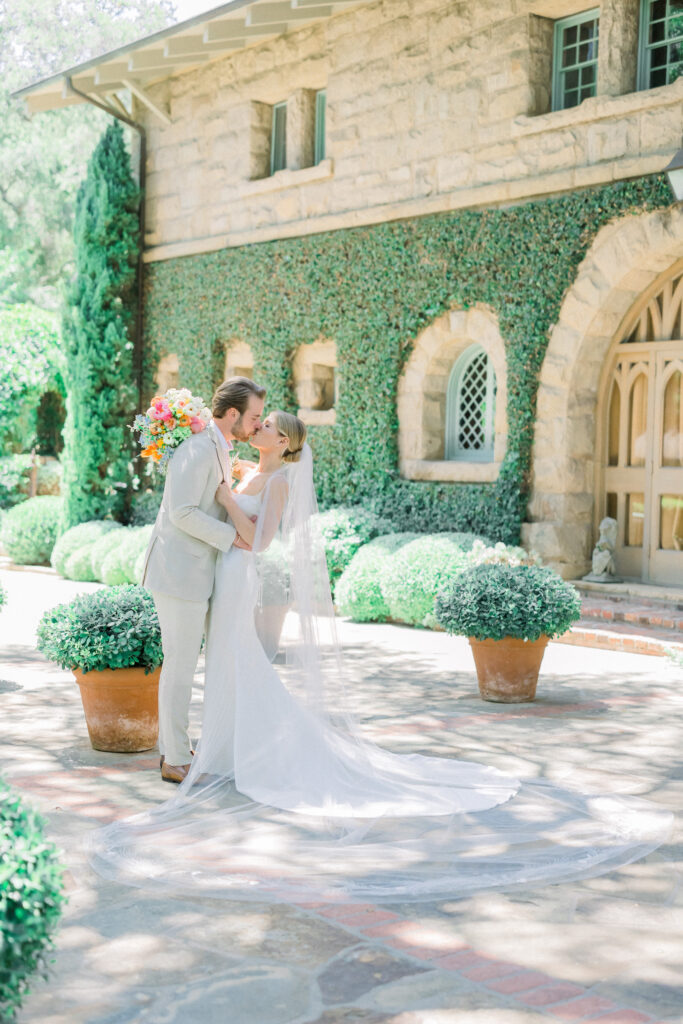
column 293, row 428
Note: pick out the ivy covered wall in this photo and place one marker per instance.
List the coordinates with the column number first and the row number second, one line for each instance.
column 372, row 290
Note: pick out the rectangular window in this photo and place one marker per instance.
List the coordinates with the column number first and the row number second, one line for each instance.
column 278, row 138
column 320, row 114
column 661, row 43
column 575, row 59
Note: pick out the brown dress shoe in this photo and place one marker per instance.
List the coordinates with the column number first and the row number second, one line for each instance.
column 173, row 772
column 163, row 758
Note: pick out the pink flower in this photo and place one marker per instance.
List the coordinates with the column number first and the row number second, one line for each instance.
column 196, row 425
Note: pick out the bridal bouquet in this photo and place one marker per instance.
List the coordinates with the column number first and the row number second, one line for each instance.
column 170, row 419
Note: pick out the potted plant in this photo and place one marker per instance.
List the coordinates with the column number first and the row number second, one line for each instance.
column 111, row 641
column 508, row 612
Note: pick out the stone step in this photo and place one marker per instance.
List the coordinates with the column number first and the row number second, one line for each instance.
column 635, row 638
column 662, row 615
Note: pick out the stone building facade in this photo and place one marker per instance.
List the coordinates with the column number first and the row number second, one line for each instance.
column 398, row 109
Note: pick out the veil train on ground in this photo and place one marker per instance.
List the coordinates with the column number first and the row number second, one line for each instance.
column 287, row 801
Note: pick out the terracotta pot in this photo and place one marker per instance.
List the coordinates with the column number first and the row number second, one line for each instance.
column 508, row 669
column 121, row 708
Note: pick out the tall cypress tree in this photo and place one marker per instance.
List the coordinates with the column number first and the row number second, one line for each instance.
column 98, row 324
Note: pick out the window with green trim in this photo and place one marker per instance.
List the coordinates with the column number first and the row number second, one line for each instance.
column 575, row 59
column 661, row 42
column 278, row 138
column 471, row 408
column 320, row 116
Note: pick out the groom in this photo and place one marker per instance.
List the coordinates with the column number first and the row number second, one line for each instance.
column 189, row 532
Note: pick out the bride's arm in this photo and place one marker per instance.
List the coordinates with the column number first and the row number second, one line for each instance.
column 269, row 517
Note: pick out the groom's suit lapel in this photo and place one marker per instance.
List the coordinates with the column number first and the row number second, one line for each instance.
column 220, row 451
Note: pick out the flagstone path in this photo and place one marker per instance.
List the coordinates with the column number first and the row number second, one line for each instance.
column 609, row 950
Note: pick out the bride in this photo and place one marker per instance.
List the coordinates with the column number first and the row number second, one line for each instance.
column 285, row 798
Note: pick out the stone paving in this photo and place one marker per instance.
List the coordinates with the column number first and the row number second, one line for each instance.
column 609, row 949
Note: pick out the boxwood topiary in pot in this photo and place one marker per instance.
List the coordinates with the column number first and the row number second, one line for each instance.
column 508, row 612
column 111, row 641
column 30, row 898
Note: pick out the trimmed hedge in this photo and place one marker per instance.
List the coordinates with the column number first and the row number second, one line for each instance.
column 416, row 572
column 15, row 475
column 30, row 898
column 358, row 592
column 75, row 542
column 344, row 531
column 119, row 565
column 29, row 530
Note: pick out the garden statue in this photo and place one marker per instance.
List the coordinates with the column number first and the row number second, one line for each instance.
column 603, row 570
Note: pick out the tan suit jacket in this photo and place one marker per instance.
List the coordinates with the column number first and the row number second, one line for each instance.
column 190, row 528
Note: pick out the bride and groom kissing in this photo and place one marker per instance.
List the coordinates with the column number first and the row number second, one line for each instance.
column 200, row 520
column 285, row 798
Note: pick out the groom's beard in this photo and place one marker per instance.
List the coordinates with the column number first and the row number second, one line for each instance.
column 238, row 431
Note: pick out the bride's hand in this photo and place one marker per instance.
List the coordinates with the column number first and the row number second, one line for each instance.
column 224, row 496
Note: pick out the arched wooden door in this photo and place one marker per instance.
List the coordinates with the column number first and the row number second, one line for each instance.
column 643, row 457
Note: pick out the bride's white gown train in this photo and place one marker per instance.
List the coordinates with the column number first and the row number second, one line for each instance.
column 283, row 804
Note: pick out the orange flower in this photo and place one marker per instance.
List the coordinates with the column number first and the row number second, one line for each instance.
column 184, row 421
column 150, row 450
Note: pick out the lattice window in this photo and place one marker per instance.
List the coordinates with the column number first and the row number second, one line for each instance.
column 662, row 318
column 470, row 407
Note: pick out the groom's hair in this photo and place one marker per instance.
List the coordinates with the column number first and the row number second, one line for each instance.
column 234, row 393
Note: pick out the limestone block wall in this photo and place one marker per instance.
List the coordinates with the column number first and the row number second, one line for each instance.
column 431, row 105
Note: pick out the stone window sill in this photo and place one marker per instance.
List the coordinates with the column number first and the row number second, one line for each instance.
column 600, row 107
column 318, row 417
column 287, row 179
column 450, row 472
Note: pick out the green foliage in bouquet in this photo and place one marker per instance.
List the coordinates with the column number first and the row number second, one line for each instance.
column 492, row 601
column 343, row 531
column 119, row 565
column 358, row 592
column 29, row 531
column 30, row 898
column 98, row 319
column 79, row 540
column 415, row 574
column 116, row 627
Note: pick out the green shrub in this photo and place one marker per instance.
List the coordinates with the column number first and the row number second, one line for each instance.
column 414, row 575
column 343, row 531
column 115, row 627
column 100, row 550
column 144, row 508
column 119, row 565
column 30, row 898
column 494, row 601
column 15, row 478
column 79, row 539
column 29, row 530
column 3, row 595
column 358, row 592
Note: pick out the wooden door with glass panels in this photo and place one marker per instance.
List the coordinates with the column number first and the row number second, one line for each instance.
column 643, row 472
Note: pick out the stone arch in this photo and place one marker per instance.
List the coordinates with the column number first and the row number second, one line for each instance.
column 239, row 360
column 422, row 396
column 314, row 370
column 622, row 266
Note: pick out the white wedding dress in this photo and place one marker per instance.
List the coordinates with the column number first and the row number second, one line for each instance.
column 286, row 800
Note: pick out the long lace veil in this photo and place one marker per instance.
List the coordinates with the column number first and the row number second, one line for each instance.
column 287, row 799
